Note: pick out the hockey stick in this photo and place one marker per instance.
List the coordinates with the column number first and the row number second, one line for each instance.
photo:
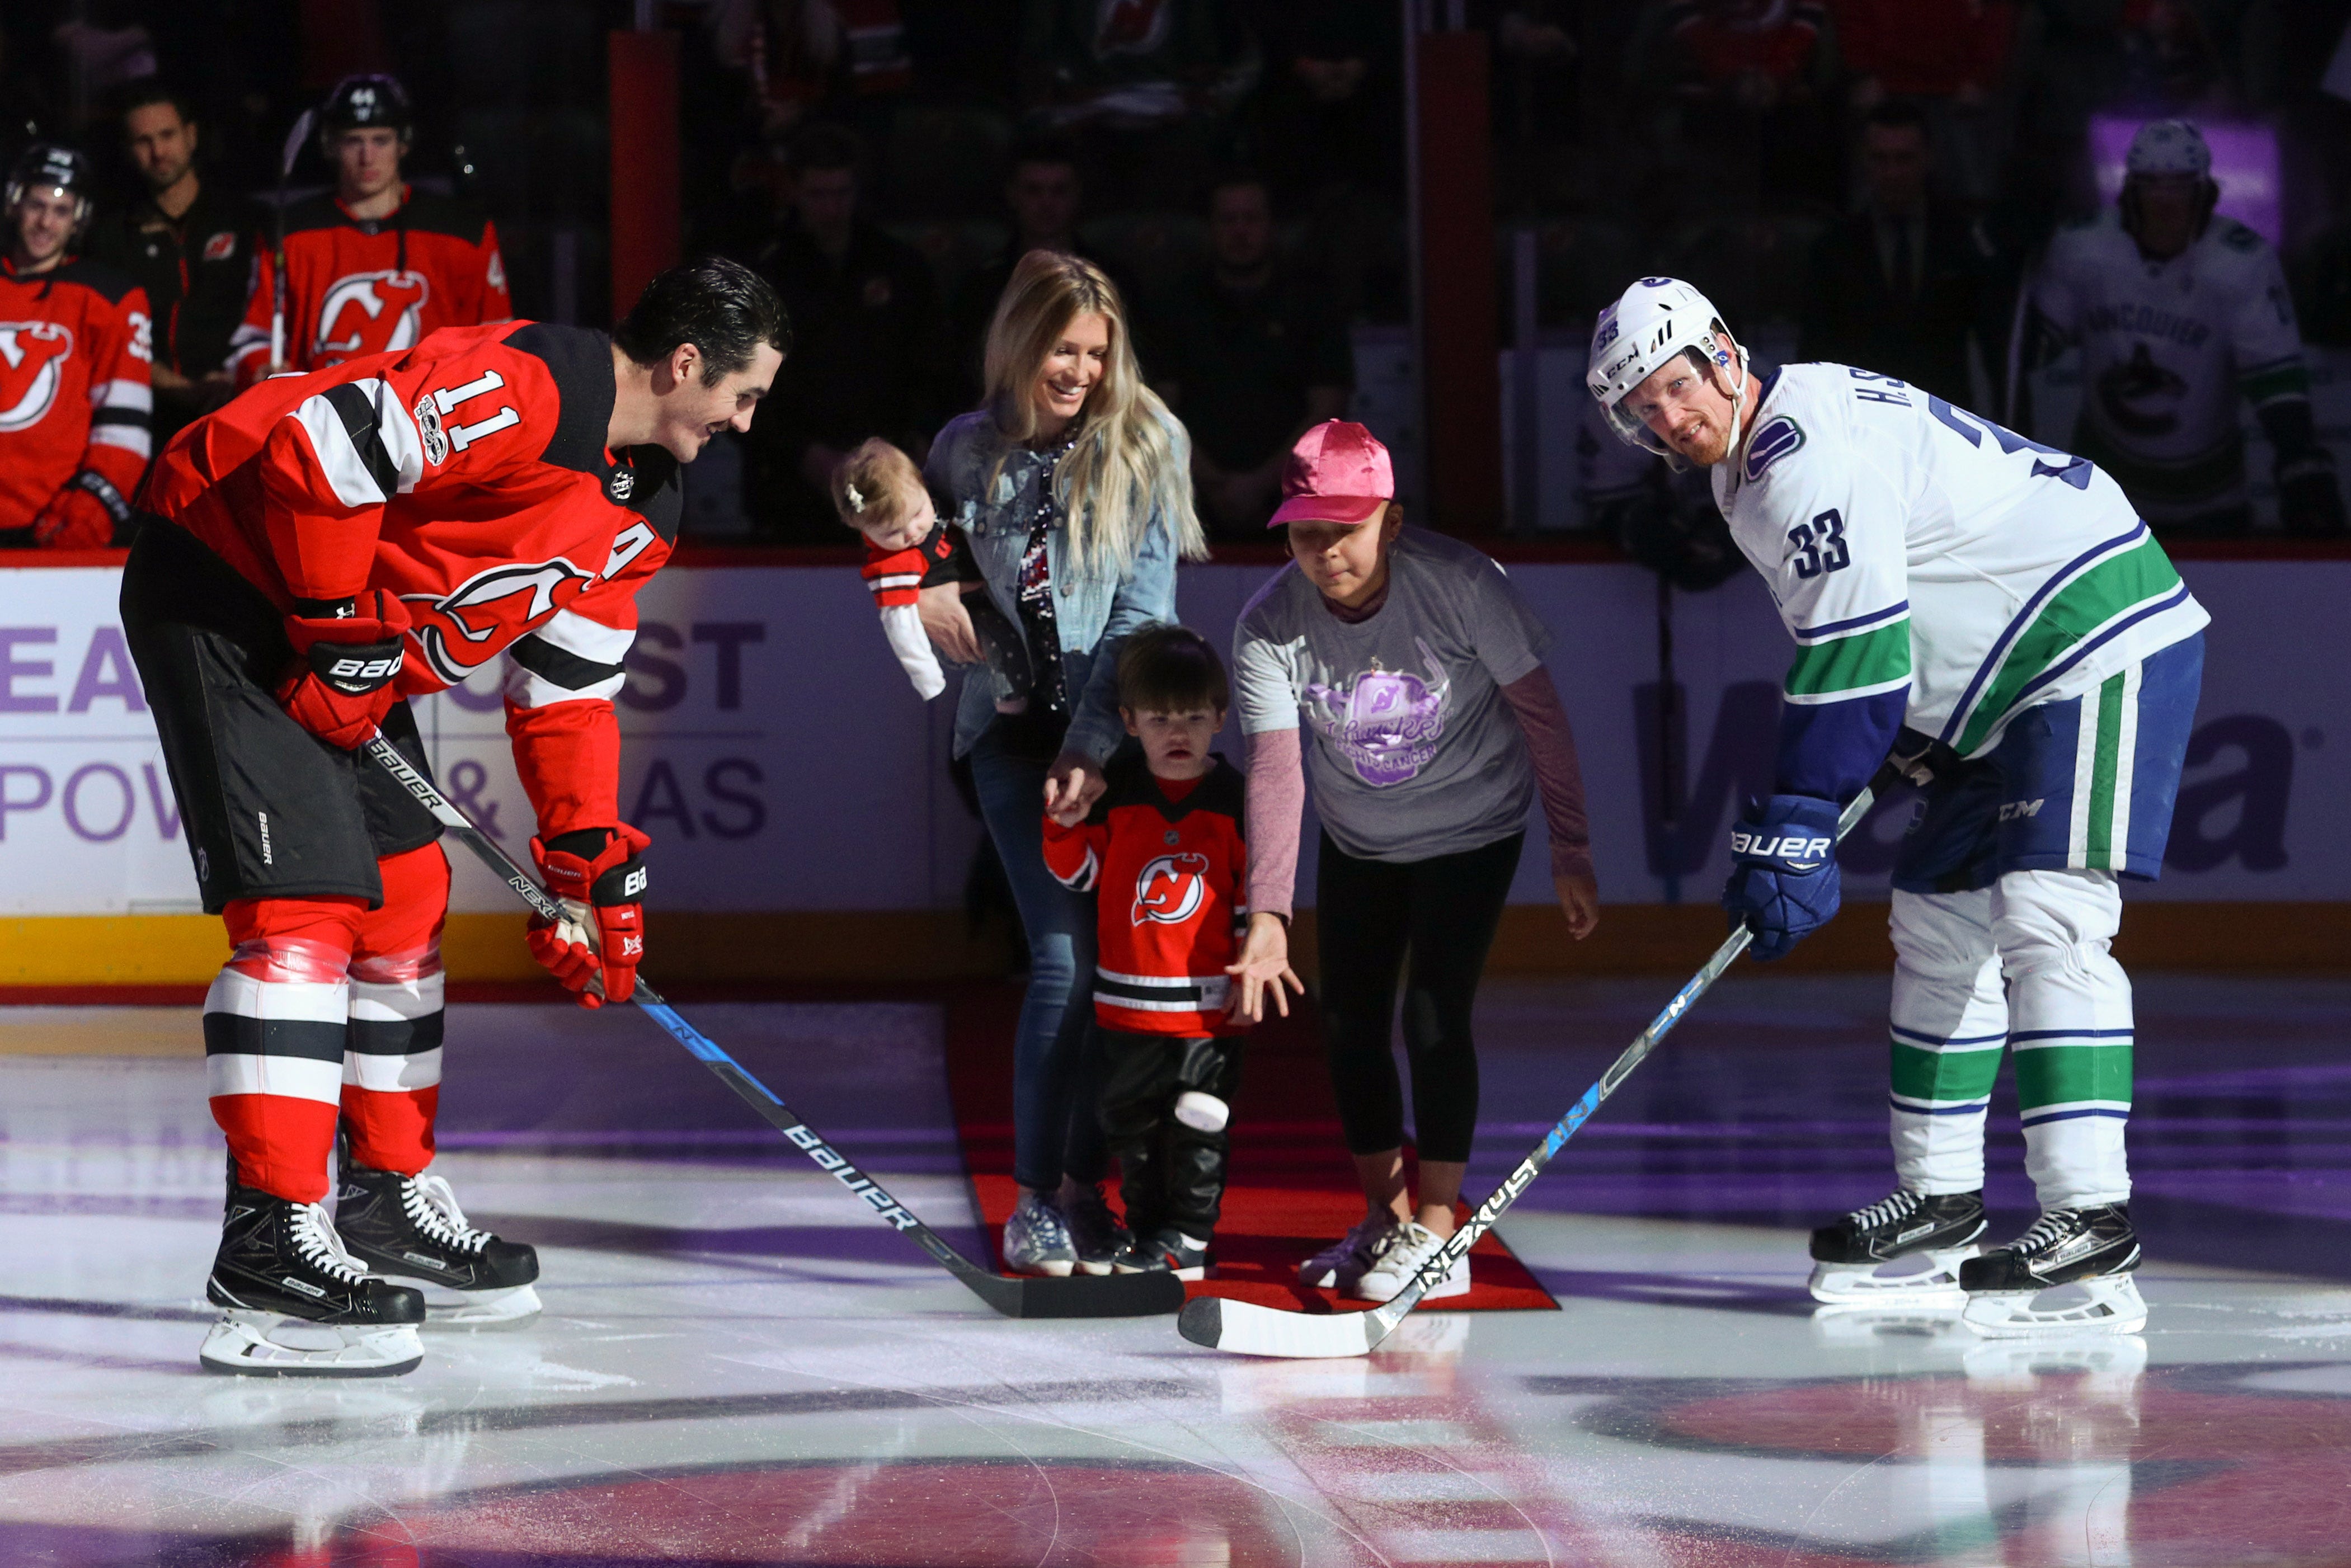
column 1266, row 1331
column 300, row 134
column 1079, row 1296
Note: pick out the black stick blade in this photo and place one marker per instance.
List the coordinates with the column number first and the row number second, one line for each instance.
column 1080, row 1295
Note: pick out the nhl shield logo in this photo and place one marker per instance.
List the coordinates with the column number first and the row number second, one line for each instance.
column 428, row 428
column 621, row 486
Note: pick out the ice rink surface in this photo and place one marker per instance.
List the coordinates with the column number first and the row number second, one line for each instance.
column 739, row 1366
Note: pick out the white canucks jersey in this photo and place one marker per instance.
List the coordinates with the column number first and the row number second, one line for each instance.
column 2168, row 347
column 1926, row 557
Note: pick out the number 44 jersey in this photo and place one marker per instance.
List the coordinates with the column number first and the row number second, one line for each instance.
column 469, row 476
column 1935, row 571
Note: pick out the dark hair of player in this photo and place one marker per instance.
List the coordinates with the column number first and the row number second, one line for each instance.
column 1167, row 668
column 721, row 306
column 147, row 91
column 1053, row 151
column 1238, row 178
column 1898, row 114
column 824, row 146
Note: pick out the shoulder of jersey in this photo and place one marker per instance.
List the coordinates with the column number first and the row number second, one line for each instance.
column 2233, row 240
column 431, row 213
column 318, row 212
column 94, row 275
column 1224, row 789
column 1124, row 780
column 2089, row 241
column 1801, row 418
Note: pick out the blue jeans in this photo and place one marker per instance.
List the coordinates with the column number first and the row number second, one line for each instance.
column 1056, row 1065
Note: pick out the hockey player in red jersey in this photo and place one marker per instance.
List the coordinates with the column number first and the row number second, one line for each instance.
column 322, row 548
column 1162, row 852
column 75, row 347
column 376, row 266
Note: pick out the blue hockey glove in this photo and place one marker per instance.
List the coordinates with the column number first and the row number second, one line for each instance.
column 1783, row 871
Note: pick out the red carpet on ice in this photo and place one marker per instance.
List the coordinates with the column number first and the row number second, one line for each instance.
column 1291, row 1189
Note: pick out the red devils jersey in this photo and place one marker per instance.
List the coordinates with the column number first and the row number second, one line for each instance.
column 1171, row 877
column 75, row 396
column 355, row 287
column 469, row 476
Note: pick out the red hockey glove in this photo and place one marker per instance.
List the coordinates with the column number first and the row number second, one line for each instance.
column 349, row 652
column 82, row 515
column 597, row 875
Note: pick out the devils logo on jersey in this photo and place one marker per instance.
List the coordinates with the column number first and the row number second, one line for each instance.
column 32, row 357
column 369, row 313
column 1169, row 889
column 470, row 620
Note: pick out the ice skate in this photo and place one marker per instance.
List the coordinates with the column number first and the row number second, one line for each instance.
column 410, row 1227
column 298, row 1305
column 2069, row 1272
column 1904, row 1248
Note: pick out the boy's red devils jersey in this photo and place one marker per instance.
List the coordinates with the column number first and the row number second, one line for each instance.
column 469, row 476
column 355, row 287
column 75, row 397
column 1171, row 879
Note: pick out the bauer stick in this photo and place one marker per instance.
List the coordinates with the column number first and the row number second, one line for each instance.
column 1266, row 1331
column 301, row 133
column 1082, row 1296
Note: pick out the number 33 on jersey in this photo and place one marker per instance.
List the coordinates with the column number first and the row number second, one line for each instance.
column 1930, row 563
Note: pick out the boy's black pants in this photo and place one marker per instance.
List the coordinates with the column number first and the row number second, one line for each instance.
column 1174, row 1175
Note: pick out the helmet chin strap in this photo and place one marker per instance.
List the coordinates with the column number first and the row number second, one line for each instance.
column 1738, row 400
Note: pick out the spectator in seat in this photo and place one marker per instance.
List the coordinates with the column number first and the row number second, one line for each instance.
column 189, row 243
column 1948, row 56
column 866, row 326
column 1043, row 196
column 1904, row 284
column 1152, row 81
column 1751, row 78
column 1248, row 352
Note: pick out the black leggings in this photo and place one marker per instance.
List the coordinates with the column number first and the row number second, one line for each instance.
column 1444, row 910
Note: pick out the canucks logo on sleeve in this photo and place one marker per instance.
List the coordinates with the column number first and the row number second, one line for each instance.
column 2035, row 578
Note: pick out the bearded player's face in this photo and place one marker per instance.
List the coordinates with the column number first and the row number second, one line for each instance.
column 1687, row 408
column 691, row 412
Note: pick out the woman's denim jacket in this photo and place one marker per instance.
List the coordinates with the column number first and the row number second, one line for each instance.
column 1094, row 609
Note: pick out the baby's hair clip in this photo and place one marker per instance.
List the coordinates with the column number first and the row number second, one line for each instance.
column 856, row 501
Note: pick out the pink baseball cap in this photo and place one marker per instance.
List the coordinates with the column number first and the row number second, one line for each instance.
column 1338, row 473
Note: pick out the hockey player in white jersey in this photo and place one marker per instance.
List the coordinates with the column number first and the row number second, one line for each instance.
column 2179, row 312
column 1995, row 613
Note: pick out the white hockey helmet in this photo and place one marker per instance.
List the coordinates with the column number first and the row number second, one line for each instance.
column 2169, row 147
column 1654, row 321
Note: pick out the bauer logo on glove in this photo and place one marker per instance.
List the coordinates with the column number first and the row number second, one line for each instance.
column 1784, row 876
column 1789, row 852
column 598, row 878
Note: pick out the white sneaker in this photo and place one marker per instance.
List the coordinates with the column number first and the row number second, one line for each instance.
column 1413, row 1245
column 1347, row 1259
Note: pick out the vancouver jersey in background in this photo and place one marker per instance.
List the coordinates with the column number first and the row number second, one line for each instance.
column 2167, row 348
column 1935, row 570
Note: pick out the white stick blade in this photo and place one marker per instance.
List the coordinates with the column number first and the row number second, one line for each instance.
column 1247, row 1330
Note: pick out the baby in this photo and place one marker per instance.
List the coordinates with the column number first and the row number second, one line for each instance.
column 880, row 493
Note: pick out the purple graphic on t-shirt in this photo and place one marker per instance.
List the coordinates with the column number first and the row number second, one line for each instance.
column 1385, row 723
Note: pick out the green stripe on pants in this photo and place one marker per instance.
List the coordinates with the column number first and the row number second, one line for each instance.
column 2103, row 767
column 1923, row 1072
column 2063, row 1075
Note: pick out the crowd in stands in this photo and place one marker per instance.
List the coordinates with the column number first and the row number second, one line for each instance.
column 1872, row 178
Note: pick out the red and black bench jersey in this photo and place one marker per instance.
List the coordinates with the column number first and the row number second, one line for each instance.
column 355, row 287
column 76, row 394
column 469, row 476
column 1169, row 870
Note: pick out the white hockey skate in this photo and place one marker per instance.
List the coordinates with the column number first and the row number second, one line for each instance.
column 297, row 1304
column 1904, row 1250
column 2070, row 1273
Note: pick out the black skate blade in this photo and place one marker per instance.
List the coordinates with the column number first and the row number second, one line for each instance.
column 1079, row 1295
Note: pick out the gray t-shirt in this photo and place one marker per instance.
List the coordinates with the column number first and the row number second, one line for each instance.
column 1416, row 751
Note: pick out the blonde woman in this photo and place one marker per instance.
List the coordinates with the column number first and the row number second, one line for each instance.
column 1072, row 481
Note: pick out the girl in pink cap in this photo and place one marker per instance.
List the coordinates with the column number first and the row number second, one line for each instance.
column 1435, row 727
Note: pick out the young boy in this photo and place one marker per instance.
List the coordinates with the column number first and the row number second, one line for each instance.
column 1162, row 851
column 879, row 492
